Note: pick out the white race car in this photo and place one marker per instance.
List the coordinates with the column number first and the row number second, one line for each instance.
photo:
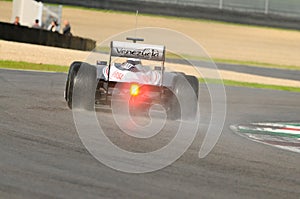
column 177, row 92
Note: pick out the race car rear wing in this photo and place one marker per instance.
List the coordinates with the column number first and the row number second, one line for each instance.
column 138, row 51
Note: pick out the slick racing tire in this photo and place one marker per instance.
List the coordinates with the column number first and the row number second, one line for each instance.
column 185, row 90
column 74, row 68
column 84, row 87
column 194, row 82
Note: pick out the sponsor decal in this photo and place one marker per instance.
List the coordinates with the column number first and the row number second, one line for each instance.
column 117, row 75
column 146, row 53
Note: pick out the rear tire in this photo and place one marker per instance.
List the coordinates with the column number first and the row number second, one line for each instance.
column 193, row 99
column 194, row 82
column 185, row 90
column 74, row 68
column 84, row 87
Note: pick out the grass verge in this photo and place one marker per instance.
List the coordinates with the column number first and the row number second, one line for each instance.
column 32, row 66
column 233, row 62
column 55, row 68
column 256, row 64
column 250, row 85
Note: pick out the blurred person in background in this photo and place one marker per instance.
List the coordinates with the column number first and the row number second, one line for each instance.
column 67, row 28
column 17, row 21
column 53, row 26
column 36, row 24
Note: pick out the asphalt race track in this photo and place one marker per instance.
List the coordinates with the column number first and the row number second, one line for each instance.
column 41, row 155
column 262, row 71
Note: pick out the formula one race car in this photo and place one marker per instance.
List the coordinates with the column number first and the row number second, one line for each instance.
column 149, row 85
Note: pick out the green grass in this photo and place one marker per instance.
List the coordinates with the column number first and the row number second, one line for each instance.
column 32, row 66
column 250, row 85
column 256, row 64
column 235, row 62
column 55, row 68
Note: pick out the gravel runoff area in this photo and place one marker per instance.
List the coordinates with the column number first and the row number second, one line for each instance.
column 220, row 40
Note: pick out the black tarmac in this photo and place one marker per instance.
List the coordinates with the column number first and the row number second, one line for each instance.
column 41, row 155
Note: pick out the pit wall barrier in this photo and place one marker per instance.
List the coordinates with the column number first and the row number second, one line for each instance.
column 25, row 34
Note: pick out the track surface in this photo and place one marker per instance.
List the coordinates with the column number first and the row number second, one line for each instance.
column 261, row 71
column 267, row 72
column 41, row 155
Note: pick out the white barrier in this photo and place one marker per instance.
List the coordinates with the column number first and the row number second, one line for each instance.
column 28, row 11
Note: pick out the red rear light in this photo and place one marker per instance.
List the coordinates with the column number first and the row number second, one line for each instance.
column 134, row 90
